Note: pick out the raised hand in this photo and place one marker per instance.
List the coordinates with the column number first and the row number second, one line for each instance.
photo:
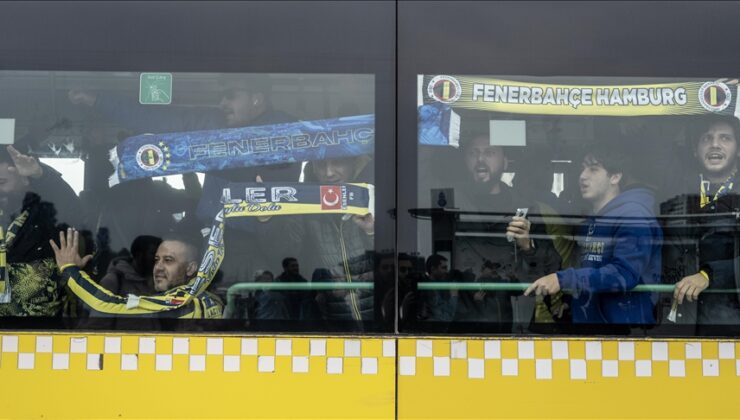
column 67, row 251
column 366, row 223
column 25, row 165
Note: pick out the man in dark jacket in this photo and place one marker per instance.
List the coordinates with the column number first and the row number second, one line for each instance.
column 32, row 198
column 716, row 150
column 343, row 244
column 620, row 248
column 437, row 305
column 128, row 275
column 339, row 245
column 133, row 275
column 296, row 300
column 508, row 253
column 269, row 304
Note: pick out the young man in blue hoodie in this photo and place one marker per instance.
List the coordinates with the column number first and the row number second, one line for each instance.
column 620, row 247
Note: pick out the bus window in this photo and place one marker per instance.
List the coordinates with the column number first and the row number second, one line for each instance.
column 248, row 197
column 211, row 177
column 643, row 224
column 558, row 182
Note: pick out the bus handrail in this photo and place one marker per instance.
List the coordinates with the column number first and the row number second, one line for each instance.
column 495, row 286
column 325, row 285
column 237, row 288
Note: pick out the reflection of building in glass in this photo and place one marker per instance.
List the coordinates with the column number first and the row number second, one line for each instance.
column 678, row 205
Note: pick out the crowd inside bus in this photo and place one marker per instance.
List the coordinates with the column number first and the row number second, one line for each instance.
column 133, row 253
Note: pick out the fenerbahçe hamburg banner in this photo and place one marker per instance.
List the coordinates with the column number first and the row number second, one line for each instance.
column 440, row 95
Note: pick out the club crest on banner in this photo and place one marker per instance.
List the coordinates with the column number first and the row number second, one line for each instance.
column 445, row 89
column 715, row 96
column 151, row 157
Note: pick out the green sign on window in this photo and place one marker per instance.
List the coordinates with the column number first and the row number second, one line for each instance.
column 155, row 88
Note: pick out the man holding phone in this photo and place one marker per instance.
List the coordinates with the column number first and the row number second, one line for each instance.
column 510, row 247
column 485, row 164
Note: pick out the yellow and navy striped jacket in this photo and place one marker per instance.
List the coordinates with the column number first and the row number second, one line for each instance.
column 174, row 303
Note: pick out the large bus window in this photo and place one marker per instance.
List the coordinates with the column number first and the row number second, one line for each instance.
column 558, row 204
column 278, row 227
column 210, row 186
column 557, row 160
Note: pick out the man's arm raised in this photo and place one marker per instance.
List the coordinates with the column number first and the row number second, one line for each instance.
column 67, row 253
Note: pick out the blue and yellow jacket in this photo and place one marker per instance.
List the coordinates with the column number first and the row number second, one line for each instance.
column 173, row 303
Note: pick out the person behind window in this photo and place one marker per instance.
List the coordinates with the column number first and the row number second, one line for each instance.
column 270, row 304
column 22, row 174
column 335, row 244
column 296, row 300
column 132, row 274
column 535, row 182
column 715, row 150
column 620, row 245
column 132, row 208
column 437, row 305
column 406, row 281
column 405, row 269
column 175, row 265
column 385, row 285
column 245, row 100
column 343, row 241
column 128, row 274
column 30, row 196
column 522, row 259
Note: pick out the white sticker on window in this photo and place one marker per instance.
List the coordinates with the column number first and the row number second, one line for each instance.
column 7, row 130
column 508, row 133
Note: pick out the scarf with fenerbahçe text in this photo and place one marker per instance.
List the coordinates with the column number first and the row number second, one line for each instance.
column 150, row 155
column 285, row 199
column 240, row 199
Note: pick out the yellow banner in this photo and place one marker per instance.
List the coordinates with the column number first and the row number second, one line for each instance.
column 287, row 199
column 498, row 95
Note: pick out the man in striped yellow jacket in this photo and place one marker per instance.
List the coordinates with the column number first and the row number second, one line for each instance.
column 175, row 269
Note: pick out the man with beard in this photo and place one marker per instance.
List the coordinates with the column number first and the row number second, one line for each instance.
column 175, row 270
column 512, row 249
column 716, row 151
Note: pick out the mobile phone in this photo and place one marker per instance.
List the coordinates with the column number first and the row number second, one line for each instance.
column 521, row 212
